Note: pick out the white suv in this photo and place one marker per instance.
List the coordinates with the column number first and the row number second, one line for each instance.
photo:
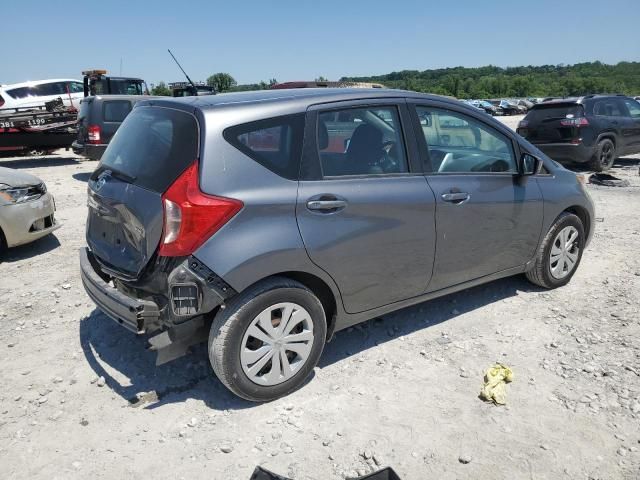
column 36, row 93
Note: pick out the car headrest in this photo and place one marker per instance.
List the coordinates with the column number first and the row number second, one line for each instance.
column 365, row 138
column 323, row 135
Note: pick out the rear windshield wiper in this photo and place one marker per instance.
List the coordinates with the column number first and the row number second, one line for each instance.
column 115, row 173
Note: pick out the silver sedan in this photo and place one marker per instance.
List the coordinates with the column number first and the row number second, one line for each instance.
column 26, row 209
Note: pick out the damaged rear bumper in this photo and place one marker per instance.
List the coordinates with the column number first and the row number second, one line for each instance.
column 139, row 316
column 178, row 316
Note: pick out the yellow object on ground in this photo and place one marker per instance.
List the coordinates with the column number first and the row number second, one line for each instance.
column 495, row 380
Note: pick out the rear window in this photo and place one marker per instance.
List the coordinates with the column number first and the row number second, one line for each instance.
column 154, row 145
column 275, row 143
column 541, row 112
column 116, row 110
column 21, row 92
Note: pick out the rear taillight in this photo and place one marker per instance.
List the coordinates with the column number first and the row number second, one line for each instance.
column 190, row 216
column 94, row 133
column 574, row 122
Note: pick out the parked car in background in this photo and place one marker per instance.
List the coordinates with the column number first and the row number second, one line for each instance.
column 275, row 218
column 26, row 209
column 37, row 93
column 591, row 130
column 98, row 120
column 487, row 107
column 472, row 104
column 524, row 104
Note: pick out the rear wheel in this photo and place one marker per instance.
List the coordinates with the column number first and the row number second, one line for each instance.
column 559, row 254
column 604, row 156
column 267, row 340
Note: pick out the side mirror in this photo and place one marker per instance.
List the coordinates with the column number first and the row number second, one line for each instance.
column 530, row 164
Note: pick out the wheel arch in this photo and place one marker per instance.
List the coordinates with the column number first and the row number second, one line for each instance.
column 320, row 289
column 610, row 135
column 584, row 217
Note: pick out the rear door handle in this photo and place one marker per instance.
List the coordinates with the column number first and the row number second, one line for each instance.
column 327, row 206
column 457, row 197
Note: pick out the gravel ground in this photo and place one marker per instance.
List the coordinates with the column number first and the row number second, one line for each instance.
column 80, row 397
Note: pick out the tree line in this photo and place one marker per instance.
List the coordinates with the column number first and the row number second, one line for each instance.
column 483, row 82
column 529, row 81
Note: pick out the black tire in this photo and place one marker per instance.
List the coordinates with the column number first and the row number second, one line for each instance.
column 540, row 274
column 3, row 245
column 231, row 323
column 604, row 156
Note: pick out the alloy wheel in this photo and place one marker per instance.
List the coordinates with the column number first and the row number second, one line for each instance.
column 606, row 155
column 277, row 344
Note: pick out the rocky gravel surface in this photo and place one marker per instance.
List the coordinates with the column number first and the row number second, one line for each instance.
column 80, row 397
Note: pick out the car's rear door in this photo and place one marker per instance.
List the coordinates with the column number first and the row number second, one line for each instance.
column 364, row 209
column 488, row 219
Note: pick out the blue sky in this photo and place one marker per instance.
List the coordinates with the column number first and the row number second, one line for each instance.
column 295, row 40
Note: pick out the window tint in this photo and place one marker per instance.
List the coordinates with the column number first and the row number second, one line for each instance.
column 21, row 92
column 154, row 145
column 361, row 141
column 554, row 111
column 607, row 107
column 634, row 108
column 76, row 87
column 458, row 143
column 275, row 143
column 116, row 111
column 125, row 87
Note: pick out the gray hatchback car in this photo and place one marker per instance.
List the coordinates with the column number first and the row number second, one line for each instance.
column 272, row 219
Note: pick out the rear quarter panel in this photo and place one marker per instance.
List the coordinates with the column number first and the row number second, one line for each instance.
column 263, row 238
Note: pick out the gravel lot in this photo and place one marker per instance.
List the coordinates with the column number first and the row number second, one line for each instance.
column 80, row 397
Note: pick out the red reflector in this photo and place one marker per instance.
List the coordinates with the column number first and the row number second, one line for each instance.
column 190, row 216
column 574, row 122
column 94, row 134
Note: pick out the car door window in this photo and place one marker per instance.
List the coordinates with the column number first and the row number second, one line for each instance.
column 634, row 108
column 458, row 143
column 116, row 110
column 607, row 107
column 361, row 141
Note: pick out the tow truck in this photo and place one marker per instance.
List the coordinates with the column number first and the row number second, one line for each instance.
column 97, row 82
column 37, row 130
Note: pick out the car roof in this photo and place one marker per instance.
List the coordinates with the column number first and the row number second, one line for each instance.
column 297, row 96
column 32, row 83
column 136, row 98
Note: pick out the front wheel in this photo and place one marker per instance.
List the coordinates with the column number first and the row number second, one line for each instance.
column 266, row 341
column 560, row 253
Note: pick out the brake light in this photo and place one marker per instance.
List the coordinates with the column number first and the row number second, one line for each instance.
column 94, row 134
column 190, row 216
column 574, row 122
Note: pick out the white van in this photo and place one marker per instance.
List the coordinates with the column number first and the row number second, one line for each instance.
column 36, row 93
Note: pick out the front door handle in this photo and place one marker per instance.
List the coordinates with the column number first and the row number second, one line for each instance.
column 456, row 197
column 326, row 205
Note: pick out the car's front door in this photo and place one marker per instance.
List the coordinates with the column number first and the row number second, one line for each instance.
column 488, row 218
column 631, row 125
column 365, row 215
